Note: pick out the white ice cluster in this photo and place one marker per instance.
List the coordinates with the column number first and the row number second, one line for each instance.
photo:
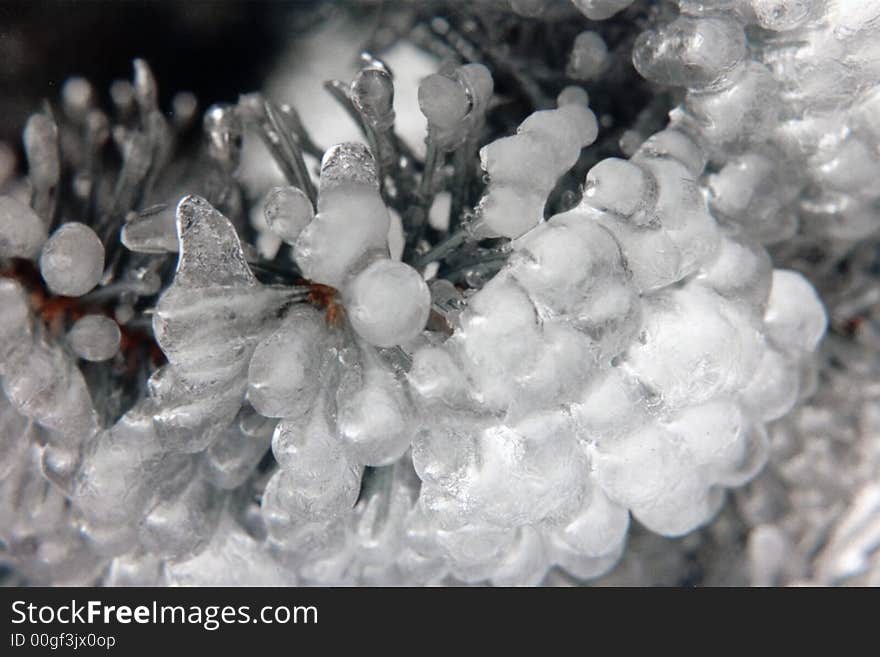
column 363, row 419
column 788, row 114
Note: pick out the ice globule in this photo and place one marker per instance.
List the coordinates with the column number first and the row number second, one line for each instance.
column 72, row 260
column 550, row 141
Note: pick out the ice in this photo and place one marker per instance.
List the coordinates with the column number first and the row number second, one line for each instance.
column 750, row 190
column 474, row 552
column 118, row 475
column 232, row 558
column 435, row 375
column 95, row 338
column 22, row 232
column 589, row 56
column 599, row 10
column 283, row 375
column 317, row 480
column 698, row 53
column 695, row 346
column 232, row 458
column 43, row 384
column 375, row 417
column 352, row 221
column 524, row 168
column 208, row 323
column 454, row 104
column 658, row 479
column 182, row 524
column 288, row 211
column 150, row 231
column 387, row 303
column 745, row 112
column 72, row 260
column 741, row 272
column 444, row 102
column 15, row 321
column 795, row 317
column 525, row 563
column 674, row 144
column 622, row 187
column 773, row 390
column 189, row 416
column 598, row 529
column 781, row 15
column 14, row 437
column 681, row 211
column 649, row 252
column 499, row 340
column 294, row 497
column 505, row 475
column 613, row 405
column 726, row 446
column 44, row 166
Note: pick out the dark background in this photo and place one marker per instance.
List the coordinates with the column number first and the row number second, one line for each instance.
column 215, row 49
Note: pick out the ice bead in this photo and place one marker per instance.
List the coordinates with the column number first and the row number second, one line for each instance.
column 795, row 317
column 444, row 102
column 657, row 477
column 499, row 339
column 435, row 375
column 287, row 502
column 387, row 303
column 622, row 187
column 288, row 211
column 674, row 144
column 150, row 231
column 550, row 142
column 182, row 524
column 651, row 256
column 745, row 112
column 352, row 221
column 773, row 390
column 15, row 321
column 95, row 338
column 525, row 562
column 508, row 475
column 375, row 418
column 599, row 10
column 727, row 447
column 43, row 384
column 589, row 56
column 283, row 371
column 740, row 272
column 611, row 406
column 189, row 416
column 72, row 260
column 232, row 458
column 116, row 480
column 697, row 53
column 695, row 346
column 681, row 211
column 231, row 558
column 598, row 529
column 475, row 551
column 22, row 232
column 317, row 480
column 750, row 191
column 781, row 15
column 454, row 104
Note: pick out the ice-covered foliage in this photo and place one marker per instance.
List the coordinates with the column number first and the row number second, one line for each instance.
column 477, row 366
